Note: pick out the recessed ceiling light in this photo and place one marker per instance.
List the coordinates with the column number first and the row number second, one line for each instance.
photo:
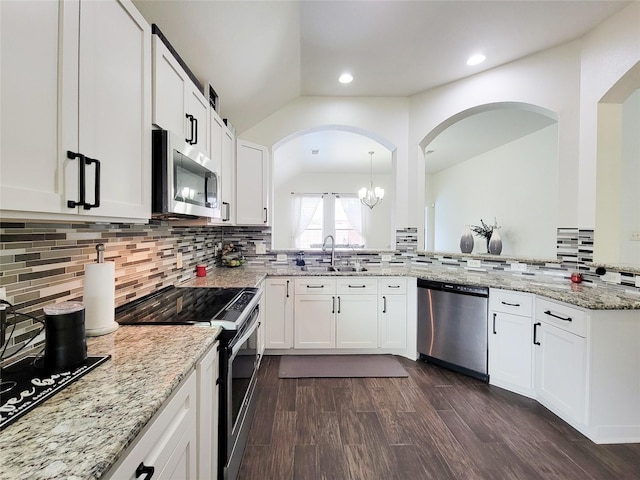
column 476, row 59
column 345, row 78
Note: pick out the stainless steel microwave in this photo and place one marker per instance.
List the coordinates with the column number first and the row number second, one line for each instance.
column 185, row 182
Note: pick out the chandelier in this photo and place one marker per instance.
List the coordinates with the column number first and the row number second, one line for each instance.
column 371, row 196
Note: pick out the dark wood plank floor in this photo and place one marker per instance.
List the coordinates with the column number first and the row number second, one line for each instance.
column 435, row 424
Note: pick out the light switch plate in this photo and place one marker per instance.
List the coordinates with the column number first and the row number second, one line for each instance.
column 281, row 257
column 474, row 263
column 638, row 281
column 261, row 248
column 179, row 260
column 385, row 257
column 518, row 267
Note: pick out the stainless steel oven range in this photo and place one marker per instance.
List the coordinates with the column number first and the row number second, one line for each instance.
column 236, row 311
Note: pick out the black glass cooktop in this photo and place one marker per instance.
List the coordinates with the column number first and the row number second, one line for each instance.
column 25, row 384
column 178, row 306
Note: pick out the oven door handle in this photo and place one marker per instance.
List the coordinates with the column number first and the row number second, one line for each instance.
column 238, row 344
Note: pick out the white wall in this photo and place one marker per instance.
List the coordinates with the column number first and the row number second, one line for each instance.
column 569, row 80
column 377, row 225
column 517, row 183
column 383, row 119
column 608, row 52
column 549, row 80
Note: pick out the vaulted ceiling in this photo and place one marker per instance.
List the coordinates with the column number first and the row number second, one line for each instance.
column 260, row 55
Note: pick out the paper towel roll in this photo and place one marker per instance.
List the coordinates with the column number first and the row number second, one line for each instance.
column 99, row 298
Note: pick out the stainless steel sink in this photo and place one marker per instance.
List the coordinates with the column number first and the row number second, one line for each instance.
column 306, row 268
column 346, row 269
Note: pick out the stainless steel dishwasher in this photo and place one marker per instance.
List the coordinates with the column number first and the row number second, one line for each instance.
column 452, row 326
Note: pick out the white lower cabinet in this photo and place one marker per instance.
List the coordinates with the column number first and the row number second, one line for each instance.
column 392, row 313
column 357, row 312
column 166, row 448
column 510, row 341
column 315, row 321
column 207, row 371
column 278, row 312
column 587, row 369
column 561, row 370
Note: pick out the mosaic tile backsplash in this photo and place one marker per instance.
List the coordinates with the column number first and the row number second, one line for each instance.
column 43, row 263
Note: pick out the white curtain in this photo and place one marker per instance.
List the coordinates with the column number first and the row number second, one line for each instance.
column 353, row 210
column 304, row 208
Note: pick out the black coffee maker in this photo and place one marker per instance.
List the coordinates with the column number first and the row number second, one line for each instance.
column 65, row 342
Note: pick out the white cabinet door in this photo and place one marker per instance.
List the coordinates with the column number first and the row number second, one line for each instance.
column 222, row 143
column 560, row 371
column 67, row 86
column 168, row 442
column 357, row 321
column 228, row 168
column 31, row 162
column 207, row 372
column 252, row 184
column 510, row 352
column 114, row 108
column 279, row 313
column 392, row 318
column 198, row 108
column 178, row 106
column 315, row 321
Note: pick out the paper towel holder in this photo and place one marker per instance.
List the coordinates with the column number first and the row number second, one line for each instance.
column 99, row 296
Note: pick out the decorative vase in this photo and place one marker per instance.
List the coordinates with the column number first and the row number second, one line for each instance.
column 466, row 241
column 495, row 243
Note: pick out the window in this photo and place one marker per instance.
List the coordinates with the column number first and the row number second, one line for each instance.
column 316, row 216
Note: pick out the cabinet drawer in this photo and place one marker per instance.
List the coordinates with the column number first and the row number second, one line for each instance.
column 351, row 285
column 506, row 301
column 566, row 317
column 315, row 285
column 392, row 285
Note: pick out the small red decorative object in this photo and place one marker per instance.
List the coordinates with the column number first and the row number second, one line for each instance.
column 201, row 270
column 576, row 277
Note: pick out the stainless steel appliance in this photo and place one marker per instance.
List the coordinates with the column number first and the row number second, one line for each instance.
column 185, row 182
column 236, row 311
column 452, row 326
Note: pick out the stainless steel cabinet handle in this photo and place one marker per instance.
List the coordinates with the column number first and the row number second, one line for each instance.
column 494, row 324
column 357, row 286
column 287, row 288
column 384, row 304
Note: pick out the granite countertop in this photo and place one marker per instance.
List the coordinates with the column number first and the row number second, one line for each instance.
column 586, row 295
column 80, row 432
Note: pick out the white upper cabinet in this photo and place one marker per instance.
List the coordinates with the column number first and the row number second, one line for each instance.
column 69, row 86
column 223, row 147
column 252, row 184
column 178, row 105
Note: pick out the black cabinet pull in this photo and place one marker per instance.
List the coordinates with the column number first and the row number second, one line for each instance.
column 144, row 470
column 227, row 217
column 384, row 304
column 393, row 286
column 333, row 304
column 357, row 286
column 315, row 286
column 338, row 304
column 510, row 304
column 83, row 188
column 195, row 130
column 535, row 333
column 494, row 324
column 190, row 139
column 266, row 215
column 96, row 187
column 564, row 319
column 287, row 288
